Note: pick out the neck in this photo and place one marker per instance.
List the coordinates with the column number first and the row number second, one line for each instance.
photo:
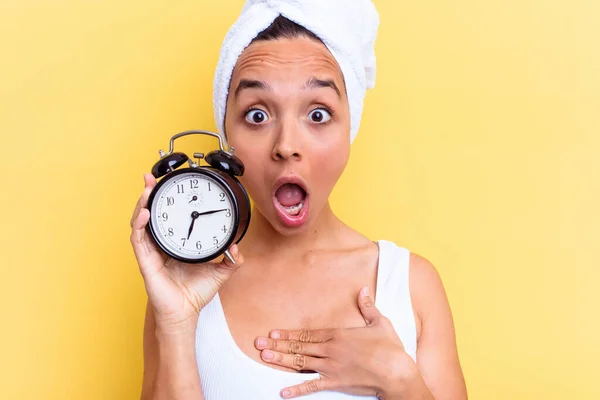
column 262, row 238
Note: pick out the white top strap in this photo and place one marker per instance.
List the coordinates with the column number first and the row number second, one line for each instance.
column 392, row 295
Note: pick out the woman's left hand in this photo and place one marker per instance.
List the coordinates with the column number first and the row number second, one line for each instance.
column 367, row 361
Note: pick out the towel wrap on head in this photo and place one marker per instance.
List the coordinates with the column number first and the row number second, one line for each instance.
column 347, row 27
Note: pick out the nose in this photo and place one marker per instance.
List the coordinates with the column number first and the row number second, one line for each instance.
column 288, row 142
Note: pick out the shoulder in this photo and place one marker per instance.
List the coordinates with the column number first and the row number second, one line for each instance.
column 422, row 271
column 423, row 274
column 424, row 279
column 427, row 292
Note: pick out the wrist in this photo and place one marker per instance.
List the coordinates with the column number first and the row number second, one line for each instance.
column 166, row 328
column 169, row 335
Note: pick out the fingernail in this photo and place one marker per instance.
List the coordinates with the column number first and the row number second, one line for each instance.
column 275, row 335
column 261, row 342
column 365, row 291
column 267, row 355
column 286, row 393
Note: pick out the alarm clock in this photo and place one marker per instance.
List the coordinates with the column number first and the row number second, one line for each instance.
column 198, row 212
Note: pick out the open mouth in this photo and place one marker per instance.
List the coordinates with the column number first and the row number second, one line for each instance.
column 291, row 202
column 291, row 197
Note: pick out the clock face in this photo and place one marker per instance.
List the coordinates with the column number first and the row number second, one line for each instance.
column 192, row 215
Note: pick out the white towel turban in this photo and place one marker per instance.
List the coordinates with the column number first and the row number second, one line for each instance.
column 347, row 27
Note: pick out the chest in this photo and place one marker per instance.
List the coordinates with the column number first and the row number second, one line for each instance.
column 294, row 301
column 229, row 373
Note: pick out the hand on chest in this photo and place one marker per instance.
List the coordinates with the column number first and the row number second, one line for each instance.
column 255, row 305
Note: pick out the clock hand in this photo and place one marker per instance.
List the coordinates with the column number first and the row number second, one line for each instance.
column 211, row 212
column 195, row 215
column 193, row 199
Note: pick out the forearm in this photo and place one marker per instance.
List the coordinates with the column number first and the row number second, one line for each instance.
column 411, row 386
column 418, row 390
column 177, row 375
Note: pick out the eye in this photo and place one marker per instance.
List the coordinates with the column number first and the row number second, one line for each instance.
column 320, row 115
column 256, row 116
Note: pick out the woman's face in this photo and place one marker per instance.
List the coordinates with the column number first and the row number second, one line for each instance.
column 288, row 119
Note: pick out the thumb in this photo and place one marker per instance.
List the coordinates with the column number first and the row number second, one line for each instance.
column 367, row 307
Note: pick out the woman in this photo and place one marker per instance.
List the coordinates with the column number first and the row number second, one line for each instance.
column 312, row 307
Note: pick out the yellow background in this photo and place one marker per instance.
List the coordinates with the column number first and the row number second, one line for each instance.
column 478, row 149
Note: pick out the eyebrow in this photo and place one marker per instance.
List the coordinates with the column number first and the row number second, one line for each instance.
column 311, row 83
column 314, row 83
column 251, row 84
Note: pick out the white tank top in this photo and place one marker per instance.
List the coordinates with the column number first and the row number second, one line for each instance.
column 227, row 373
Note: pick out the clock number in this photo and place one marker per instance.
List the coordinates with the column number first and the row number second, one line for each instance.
column 222, row 195
column 194, row 184
column 224, row 229
column 165, row 217
column 171, row 233
column 180, row 188
column 170, row 201
column 183, row 240
column 215, row 240
column 209, row 187
column 198, row 245
column 228, row 213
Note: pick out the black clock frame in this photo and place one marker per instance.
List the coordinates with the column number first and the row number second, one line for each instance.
column 239, row 198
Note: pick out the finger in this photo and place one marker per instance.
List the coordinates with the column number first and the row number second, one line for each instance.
column 309, row 387
column 367, row 307
column 149, row 183
column 303, row 336
column 224, row 269
column 150, row 259
column 149, row 180
column 291, row 346
column 298, row 362
column 238, row 259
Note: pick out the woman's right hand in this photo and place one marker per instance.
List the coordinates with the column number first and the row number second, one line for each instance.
column 176, row 291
